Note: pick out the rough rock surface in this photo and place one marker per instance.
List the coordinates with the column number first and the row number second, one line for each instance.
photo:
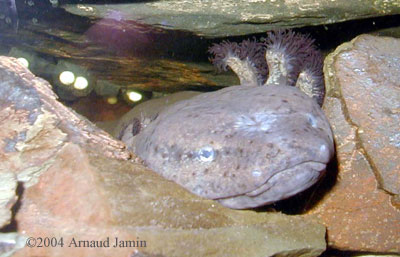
column 372, row 66
column 88, row 197
column 78, row 184
column 362, row 211
column 219, row 18
column 8, row 187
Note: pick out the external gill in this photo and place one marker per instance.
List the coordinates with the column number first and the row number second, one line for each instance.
column 312, row 85
column 283, row 58
column 279, row 68
column 246, row 59
column 244, row 69
column 311, row 78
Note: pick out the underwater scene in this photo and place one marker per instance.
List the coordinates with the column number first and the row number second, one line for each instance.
column 168, row 128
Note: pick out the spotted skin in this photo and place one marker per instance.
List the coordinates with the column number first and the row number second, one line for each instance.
column 245, row 146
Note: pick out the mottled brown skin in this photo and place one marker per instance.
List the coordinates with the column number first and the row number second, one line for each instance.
column 245, row 146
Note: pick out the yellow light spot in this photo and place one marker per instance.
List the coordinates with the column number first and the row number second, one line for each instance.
column 67, row 77
column 81, row 83
column 134, row 96
column 112, row 100
column 24, row 62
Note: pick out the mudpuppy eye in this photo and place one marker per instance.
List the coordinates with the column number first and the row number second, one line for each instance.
column 206, row 154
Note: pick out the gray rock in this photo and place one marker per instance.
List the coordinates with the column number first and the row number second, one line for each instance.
column 221, row 18
column 10, row 243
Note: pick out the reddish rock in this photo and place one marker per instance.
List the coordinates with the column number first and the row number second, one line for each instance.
column 360, row 212
column 368, row 75
column 85, row 196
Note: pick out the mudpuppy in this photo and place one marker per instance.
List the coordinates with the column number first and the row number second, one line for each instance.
column 248, row 145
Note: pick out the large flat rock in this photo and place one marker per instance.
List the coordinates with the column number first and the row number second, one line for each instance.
column 221, row 18
column 85, row 196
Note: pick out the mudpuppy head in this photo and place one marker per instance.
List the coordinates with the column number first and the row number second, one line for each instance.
column 244, row 146
column 252, row 144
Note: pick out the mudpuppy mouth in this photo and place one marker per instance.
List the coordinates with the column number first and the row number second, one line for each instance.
column 281, row 185
column 287, row 182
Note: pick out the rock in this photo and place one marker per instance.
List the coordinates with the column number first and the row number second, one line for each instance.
column 10, row 243
column 362, row 211
column 8, row 196
column 372, row 65
column 223, row 18
column 79, row 184
column 109, row 198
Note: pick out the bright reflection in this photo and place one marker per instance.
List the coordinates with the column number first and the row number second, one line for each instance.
column 24, row 62
column 112, row 100
column 134, row 96
column 81, row 83
column 67, row 77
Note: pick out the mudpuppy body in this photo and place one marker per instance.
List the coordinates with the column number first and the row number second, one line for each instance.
column 246, row 145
